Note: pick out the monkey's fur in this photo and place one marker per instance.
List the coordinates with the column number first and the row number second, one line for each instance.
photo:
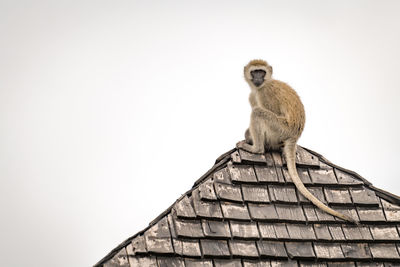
column 277, row 121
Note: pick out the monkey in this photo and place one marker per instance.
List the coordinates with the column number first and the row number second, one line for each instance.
column 276, row 123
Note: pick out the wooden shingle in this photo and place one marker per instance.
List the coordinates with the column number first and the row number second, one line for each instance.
column 208, row 209
column 246, row 249
column 358, row 251
column 190, row 248
column 267, row 174
column 216, row 229
column 262, row 211
column 244, row 230
column 257, row 194
column 272, row 249
column 228, row 192
column 196, row 262
column 217, row 248
column 235, row 211
column 244, row 174
column 303, row 250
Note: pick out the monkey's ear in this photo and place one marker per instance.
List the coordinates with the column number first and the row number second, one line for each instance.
column 270, row 69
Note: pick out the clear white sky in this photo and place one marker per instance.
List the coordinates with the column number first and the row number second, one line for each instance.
column 110, row 110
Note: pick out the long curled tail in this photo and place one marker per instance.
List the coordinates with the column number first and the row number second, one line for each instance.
column 289, row 151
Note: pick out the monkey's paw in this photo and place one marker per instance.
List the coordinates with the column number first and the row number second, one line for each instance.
column 240, row 144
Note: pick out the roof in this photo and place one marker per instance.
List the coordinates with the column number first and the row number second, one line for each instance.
column 246, row 211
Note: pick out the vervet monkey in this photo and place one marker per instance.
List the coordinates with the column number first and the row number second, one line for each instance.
column 277, row 121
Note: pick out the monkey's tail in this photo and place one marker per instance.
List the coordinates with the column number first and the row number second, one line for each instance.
column 289, row 151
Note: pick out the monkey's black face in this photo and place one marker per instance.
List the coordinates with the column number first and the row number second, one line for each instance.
column 257, row 77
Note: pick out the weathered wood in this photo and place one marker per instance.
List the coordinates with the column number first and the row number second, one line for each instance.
column 370, row 214
column 248, row 157
column 119, row 260
column 336, row 232
column 323, row 216
column 206, row 190
column 344, row 264
column 279, row 172
column 267, row 230
column 356, row 233
column 227, row 263
column 188, row 228
column 235, row 156
column 297, row 250
column 205, row 208
column 375, row 264
column 222, row 176
column 301, row 232
column 158, row 238
column 243, row 174
column 170, row 262
column 328, row 251
column 262, row 211
column 215, row 248
column 272, row 249
column 143, row 261
column 322, row 232
column 349, row 211
column 325, row 175
column 289, row 263
column 290, row 213
column 281, row 231
column 242, row 249
column 216, row 229
column 228, row 192
column 282, row 194
column 256, row 263
column 305, row 158
column 310, row 213
column 364, row 196
column 197, row 262
column 392, row 211
column 315, row 191
column 190, row 248
column 235, row 211
column 257, row 194
column 384, row 232
column 359, row 251
column 337, row 196
column 247, row 230
column 277, row 157
column 184, row 208
column 137, row 246
column 344, row 178
column 384, row 251
column 312, row 264
column 267, row 175
column 303, row 174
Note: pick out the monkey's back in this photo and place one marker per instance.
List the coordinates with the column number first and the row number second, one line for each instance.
column 284, row 101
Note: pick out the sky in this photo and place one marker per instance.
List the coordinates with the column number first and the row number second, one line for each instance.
column 110, row 110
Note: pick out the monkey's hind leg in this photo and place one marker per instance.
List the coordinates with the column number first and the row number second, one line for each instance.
column 256, row 135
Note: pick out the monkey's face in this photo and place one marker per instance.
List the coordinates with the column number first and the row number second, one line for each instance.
column 257, row 77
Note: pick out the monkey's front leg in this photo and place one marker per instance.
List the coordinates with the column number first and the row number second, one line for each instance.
column 256, row 135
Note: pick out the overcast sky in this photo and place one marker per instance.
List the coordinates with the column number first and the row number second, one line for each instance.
column 110, row 110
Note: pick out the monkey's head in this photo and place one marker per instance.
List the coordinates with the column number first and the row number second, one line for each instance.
column 257, row 72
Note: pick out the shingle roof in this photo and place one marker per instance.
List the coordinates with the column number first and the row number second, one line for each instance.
column 245, row 211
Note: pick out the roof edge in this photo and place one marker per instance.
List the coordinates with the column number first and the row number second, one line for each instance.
column 392, row 198
column 220, row 162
